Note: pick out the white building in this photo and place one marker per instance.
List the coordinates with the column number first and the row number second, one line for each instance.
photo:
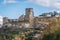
column 1, row 21
column 57, row 15
column 27, row 25
column 48, row 15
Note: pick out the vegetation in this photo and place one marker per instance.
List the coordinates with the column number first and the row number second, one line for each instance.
column 54, row 30
column 7, row 34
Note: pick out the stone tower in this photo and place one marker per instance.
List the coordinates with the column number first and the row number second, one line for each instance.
column 29, row 15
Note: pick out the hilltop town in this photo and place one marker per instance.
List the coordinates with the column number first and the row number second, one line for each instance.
column 29, row 20
column 30, row 27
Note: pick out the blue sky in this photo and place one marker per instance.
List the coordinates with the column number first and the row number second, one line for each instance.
column 15, row 8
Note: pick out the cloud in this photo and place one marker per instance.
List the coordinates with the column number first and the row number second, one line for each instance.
column 47, row 3
column 1, row 18
column 9, row 1
column 57, row 5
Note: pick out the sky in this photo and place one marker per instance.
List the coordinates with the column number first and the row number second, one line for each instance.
column 15, row 8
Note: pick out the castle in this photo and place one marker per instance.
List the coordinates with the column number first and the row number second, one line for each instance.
column 23, row 21
column 29, row 20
